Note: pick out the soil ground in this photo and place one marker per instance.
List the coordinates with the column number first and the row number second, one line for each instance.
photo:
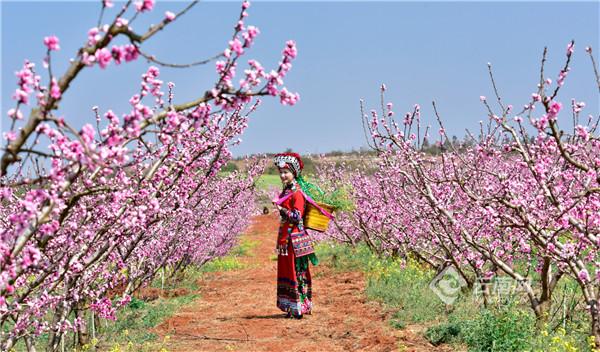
column 236, row 310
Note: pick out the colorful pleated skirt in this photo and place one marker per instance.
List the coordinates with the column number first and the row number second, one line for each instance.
column 294, row 285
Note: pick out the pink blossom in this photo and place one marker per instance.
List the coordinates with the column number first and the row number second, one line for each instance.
column 55, row 89
column 118, row 53
column 10, row 136
column 93, row 36
column 120, row 22
column 31, row 256
column 288, row 98
column 88, row 59
column 52, row 43
column 169, row 16
column 26, row 82
column 220, row 66
column 554, row 110
column 236, row 46
column 144, row 5
column 130, row 198
column 561, row 77
column 124, row 300
column 5, row 193
column 577, row 106
column 104, row 309
column 582, row 132
column 21, row 96
column 131, row 52
column 104, row 56
column 87, row 133
column 15, row 114
column 290, row 50
column 250, row 35
column 583, row 275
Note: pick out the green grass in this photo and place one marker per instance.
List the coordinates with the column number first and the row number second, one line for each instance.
column 222, row 264
column 266, row 181
column 403, row 288
column 232, row 260
column 133, row 323
column 244, row 248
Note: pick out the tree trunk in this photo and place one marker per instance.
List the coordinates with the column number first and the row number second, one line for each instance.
column 595, row 315
column 54, row 339
column 83, row 336
column 543, row 304
column 542, row 313
column 29, row 344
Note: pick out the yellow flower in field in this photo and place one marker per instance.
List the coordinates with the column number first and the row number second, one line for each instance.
column 592, row 343
column 569, row 348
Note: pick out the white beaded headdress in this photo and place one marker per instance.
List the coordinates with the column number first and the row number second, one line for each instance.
column 290, row 161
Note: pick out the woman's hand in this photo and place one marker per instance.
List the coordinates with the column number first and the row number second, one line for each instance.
column 274, row 202
column 283, row 212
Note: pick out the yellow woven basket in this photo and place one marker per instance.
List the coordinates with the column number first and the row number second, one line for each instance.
column 314, row 219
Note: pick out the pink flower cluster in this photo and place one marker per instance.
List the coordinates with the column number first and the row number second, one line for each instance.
column 275, row 78
column 124, row 197
column 51, row 43
column 25, row 82
column 104, row 56
column 504, row 201
column 151, row 83
column 144, row 5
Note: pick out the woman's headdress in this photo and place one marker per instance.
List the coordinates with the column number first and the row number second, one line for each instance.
column 291, row 161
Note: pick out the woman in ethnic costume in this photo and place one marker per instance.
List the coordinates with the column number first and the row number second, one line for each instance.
column 294, row 288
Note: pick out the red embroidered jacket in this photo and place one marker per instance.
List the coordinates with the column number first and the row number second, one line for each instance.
column 291, row 214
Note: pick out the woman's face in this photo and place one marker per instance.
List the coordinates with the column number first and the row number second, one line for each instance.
column 286, row 175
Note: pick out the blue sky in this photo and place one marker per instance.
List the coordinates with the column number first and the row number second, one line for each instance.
column 423, row 51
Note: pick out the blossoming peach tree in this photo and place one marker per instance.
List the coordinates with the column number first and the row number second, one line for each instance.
column 521, row 199
column 85, row 212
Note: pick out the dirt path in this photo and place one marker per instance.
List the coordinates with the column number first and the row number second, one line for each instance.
column 237, row 312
